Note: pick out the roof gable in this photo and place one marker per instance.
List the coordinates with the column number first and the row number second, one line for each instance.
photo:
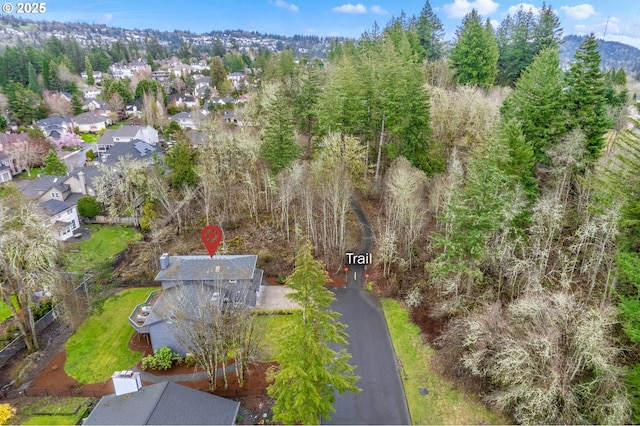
column 164, row 404
column 205, row 268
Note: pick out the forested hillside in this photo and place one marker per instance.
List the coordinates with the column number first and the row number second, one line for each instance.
column 502, row 190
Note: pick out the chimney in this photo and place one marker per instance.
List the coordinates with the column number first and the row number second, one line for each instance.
column 126, row 382
column 164, row 261
column 83, row 183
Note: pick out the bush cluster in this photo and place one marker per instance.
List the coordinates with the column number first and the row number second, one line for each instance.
column 162, row 359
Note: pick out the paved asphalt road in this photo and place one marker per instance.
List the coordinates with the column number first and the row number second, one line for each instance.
column 382, row 399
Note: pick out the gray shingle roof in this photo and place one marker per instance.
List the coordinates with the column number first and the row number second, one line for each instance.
column 127, row 131
column 53, row 207
column 136, row 148
column 164, row 404
column 42, row 184
column 204, row 268
column 89, row 118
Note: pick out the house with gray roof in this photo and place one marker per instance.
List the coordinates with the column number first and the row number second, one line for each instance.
column 164, row 403
column 58, row 202
column 232, row 279
column 126, row 134
column 187, row 120
column 89, row 122
column 135, row 148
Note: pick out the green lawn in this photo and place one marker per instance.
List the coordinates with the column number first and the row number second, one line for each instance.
column 273, row 326
column 444, row 404
column 115, row 126
column 34, row 173
column 5, row 312
column 59, row 411
column 100, row 250
column 89, row 137
column 100, row 346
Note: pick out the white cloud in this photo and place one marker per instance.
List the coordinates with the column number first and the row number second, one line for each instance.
column 105, row 19
column 378, row 10
column 579, row 12
column 610, row 25
column 350, row 8
column 459, row 8
column 495, row 23
column 287, row 6
column 526, row 6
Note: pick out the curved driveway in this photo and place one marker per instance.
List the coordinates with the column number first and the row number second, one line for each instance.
column 382, row 399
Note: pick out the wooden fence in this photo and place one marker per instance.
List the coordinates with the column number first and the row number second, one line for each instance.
column 102, row 220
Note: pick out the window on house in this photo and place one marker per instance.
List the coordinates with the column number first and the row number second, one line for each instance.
column 55, row 195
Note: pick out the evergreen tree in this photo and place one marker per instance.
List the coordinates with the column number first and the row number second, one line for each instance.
column 279, row 147
column 218, row 73
column 585, row 97
column 537, row 103
column 430, row 33
column 89, row 70
column 475, row 55
column 181, row 159
column 34, row 85
column 76, row 103
column 53, row 165
column 310, row 372
column 547, row 33
column 514, row 45
column 52, row 82
column 520, row 161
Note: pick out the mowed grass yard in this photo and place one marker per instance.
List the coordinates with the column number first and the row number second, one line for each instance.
column 273, row 325
column 444, row 404
column 100, row 345
column 5, row 312
column 53, row 411
column 100, row 250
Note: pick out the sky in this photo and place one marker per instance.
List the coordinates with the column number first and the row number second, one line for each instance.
column 612, row 20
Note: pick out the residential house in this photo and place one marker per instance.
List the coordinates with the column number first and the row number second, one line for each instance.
column 11, row 143
column 164, row 403
column 58, row 202
column 230, row 278
column 187, row 120
column 161, row 76
column 91, row 92
column 97, row 76
column 196, row 138
column 134, row 109
column 96, row 106
column 126, row 134
column 234, row 117
column 190, row 101
column 237, row 79
column 135, row 149
column 119, row 71
column 5, row 168
column 89, row 122
column 55, row 126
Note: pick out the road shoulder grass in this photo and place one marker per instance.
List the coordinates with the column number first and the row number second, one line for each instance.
column 100, row 346
column 444, row 403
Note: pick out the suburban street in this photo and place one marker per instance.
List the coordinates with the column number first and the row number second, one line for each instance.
column 382, row 399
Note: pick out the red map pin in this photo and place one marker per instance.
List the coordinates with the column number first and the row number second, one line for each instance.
column 211, row 237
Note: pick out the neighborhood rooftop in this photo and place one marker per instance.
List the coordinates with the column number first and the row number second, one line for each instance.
column 164, row 404
column 205, row 268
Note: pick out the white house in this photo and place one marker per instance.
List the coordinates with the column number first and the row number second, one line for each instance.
column 62, row 216
column 89, row 122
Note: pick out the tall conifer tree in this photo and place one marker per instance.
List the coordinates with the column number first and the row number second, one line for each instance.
column 475, row 55
column 310, row 372
column 585, row 97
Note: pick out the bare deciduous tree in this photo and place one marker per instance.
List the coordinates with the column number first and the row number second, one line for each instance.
column 212, row 324
column 29, row 253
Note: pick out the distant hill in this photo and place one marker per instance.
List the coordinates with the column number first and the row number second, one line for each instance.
column 613, row 54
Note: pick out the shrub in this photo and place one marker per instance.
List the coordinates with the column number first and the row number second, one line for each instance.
column 89, row 206
column 90, row 155
column 189, row 361
column 162, row 359
column 6, row 412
